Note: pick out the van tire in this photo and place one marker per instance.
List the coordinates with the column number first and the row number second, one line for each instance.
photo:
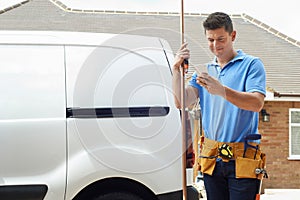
column 118, row 196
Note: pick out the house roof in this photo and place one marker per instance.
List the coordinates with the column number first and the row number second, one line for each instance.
column 279, row 53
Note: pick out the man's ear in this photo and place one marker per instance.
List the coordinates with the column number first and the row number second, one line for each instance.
column 233, row 35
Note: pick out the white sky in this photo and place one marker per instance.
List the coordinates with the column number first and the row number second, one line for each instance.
column 283, row 15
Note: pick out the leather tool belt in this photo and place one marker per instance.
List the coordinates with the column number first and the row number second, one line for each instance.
column 247, row 162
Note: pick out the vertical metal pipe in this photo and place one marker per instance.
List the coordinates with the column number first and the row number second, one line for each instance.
column 183, row 113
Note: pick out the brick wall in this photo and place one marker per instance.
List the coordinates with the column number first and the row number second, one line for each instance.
column 283, row 173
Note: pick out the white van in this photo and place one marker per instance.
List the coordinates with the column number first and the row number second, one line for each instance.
column 88, row 116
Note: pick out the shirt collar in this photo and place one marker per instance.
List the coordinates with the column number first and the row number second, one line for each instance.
column 240, row 56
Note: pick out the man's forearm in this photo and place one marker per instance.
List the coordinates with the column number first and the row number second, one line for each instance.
column 176, row 86
column 191, row 93
column 245, row 100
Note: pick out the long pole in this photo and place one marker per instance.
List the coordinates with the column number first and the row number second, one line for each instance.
column 183, row 114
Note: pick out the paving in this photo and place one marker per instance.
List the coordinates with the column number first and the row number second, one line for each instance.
column 279, row 194
column 271, row 194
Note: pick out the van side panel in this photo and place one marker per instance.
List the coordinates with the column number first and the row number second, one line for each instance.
column 84, row 113
column 122, row 79
column 32, row 121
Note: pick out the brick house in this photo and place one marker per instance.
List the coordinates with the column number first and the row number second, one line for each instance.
column 281, row 144
column 280, row 54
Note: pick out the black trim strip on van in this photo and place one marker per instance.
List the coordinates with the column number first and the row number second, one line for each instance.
column 153, row 111
column 24, row 192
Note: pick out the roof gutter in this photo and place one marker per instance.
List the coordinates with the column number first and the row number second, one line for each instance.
column 277, row 94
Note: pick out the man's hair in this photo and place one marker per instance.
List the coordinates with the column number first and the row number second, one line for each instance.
column 218, row 20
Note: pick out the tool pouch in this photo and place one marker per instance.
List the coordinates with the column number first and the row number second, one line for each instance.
column 245, row 164
column 208, row 157
column 245, row 167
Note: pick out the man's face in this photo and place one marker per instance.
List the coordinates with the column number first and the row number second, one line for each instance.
column 220, row 42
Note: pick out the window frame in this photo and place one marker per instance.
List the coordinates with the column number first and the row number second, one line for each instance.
column 292, row 156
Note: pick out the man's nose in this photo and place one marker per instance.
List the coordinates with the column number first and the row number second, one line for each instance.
column 215, row 43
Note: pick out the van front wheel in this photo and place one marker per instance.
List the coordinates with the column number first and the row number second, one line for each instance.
column 118, row 196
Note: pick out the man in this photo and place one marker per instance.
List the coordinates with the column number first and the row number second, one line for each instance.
column 231, row 94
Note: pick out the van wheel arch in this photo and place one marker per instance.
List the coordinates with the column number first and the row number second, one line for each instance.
column 110, row 187
column 118, row 196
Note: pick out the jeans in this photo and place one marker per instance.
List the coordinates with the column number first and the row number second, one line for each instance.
column 223, row 185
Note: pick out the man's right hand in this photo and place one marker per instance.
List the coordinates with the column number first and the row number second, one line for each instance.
column 182, row 53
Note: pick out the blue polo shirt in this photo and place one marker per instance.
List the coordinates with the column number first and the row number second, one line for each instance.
column 223, row 121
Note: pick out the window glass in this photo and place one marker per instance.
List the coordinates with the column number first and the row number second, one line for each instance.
column 295, row 139
column 295, row 116
column 294, row 133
